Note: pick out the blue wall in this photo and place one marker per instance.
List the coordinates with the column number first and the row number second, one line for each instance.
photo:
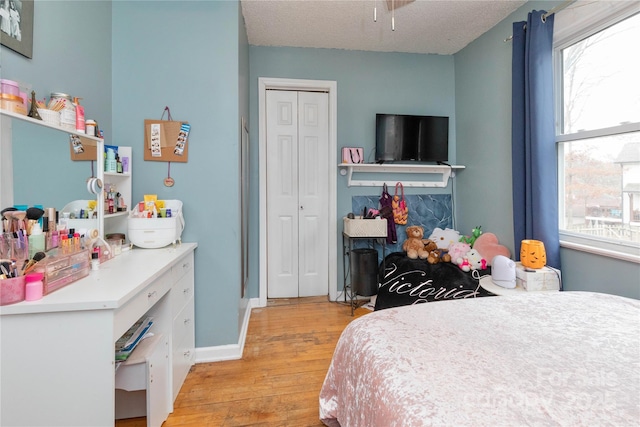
column 368, row 83
column 187, row 55
column 76, row 61
column 483, row 117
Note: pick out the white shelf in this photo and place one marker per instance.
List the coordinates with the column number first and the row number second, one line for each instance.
column 117, row 222
column 116, row 214
column 442, row 174
column 43, row 123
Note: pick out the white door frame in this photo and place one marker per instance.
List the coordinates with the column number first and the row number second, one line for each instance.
column 331, row 87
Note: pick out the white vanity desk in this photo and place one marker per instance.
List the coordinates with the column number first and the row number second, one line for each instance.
column 57, row 354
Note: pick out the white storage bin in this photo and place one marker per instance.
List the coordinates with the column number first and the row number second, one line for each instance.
column 359, row 227
column 152, row 233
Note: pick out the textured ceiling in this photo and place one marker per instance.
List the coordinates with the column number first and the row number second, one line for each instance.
column 421, row 26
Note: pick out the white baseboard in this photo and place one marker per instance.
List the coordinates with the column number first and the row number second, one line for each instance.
column 230, row 351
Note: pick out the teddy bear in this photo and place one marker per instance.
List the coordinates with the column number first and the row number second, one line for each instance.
column 438, row 255
column 444, row 238
column 413, row 245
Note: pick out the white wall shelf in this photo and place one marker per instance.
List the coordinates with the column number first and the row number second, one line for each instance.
column 106, row 223
column 441, row 173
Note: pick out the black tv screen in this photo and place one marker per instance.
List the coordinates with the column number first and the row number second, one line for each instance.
column 411, row 138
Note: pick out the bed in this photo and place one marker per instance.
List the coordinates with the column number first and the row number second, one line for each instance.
column 559, row 358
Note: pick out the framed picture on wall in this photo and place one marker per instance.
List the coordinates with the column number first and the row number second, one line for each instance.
column 16, row 26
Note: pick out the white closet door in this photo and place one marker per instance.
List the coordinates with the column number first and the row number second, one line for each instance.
column 297, row 193
column 313, row 193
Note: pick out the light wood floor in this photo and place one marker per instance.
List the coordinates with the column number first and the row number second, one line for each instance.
column 287, row 353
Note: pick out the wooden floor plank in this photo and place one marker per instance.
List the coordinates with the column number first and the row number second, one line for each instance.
column 287, row 352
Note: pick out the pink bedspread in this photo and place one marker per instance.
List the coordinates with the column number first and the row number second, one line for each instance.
column 561, row 358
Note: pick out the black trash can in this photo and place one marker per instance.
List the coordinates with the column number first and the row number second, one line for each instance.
column 364, row 272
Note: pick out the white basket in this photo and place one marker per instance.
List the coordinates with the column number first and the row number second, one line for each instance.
column 49, row 116
column 359, row 227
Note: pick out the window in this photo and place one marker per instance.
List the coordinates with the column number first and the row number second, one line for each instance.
column 598, row 137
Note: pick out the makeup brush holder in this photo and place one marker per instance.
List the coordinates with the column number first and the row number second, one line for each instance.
column 12, row 290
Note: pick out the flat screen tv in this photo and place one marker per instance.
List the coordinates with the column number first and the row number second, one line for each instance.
column 411, row 138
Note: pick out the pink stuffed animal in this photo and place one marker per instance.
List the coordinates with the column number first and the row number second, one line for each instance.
column 458, row 250
column 488, row 246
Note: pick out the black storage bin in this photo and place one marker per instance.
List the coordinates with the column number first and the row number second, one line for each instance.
column 364, row 272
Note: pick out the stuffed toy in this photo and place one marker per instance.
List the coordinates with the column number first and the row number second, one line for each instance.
column 476, row 260
column 413, row 245
column 472, row 260
column 475, row 233
column 438, row 255
column 458, row 250
column 464, row 264
column 487, row 245
column 444, row 238
column 433, row 253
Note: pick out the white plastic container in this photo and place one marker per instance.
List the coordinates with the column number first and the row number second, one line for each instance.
column 153, row 233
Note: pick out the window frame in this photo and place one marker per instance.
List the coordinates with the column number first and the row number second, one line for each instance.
column 572, row 30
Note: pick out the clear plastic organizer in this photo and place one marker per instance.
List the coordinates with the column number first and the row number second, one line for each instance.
column 62, row 269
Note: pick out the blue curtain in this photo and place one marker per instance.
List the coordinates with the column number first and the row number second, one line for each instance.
column 534, row 157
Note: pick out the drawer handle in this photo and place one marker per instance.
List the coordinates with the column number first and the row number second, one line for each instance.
column 185, row 265
column 187, row 353
column 151, row 294
column 187, row 290
column 187, row 321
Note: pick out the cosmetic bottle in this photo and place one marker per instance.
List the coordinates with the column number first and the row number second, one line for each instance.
column 95, row 261
column 80, row 123
column 54, row 239
column 34, row 287
column 36, row 240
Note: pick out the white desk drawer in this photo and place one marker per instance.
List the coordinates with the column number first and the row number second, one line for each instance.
column 182, row 267
column 182, row 293
column 183, row 324
column 183, row 352
column 139, row 305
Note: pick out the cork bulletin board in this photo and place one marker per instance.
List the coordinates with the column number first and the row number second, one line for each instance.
column 82, row 149
column 166, row 140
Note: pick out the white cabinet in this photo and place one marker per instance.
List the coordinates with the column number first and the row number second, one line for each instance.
column 183, row 311
column 58, row 352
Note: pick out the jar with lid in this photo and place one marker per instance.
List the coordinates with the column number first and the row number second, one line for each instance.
column 34, row 287
column 68, row 113
column 90, row 127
